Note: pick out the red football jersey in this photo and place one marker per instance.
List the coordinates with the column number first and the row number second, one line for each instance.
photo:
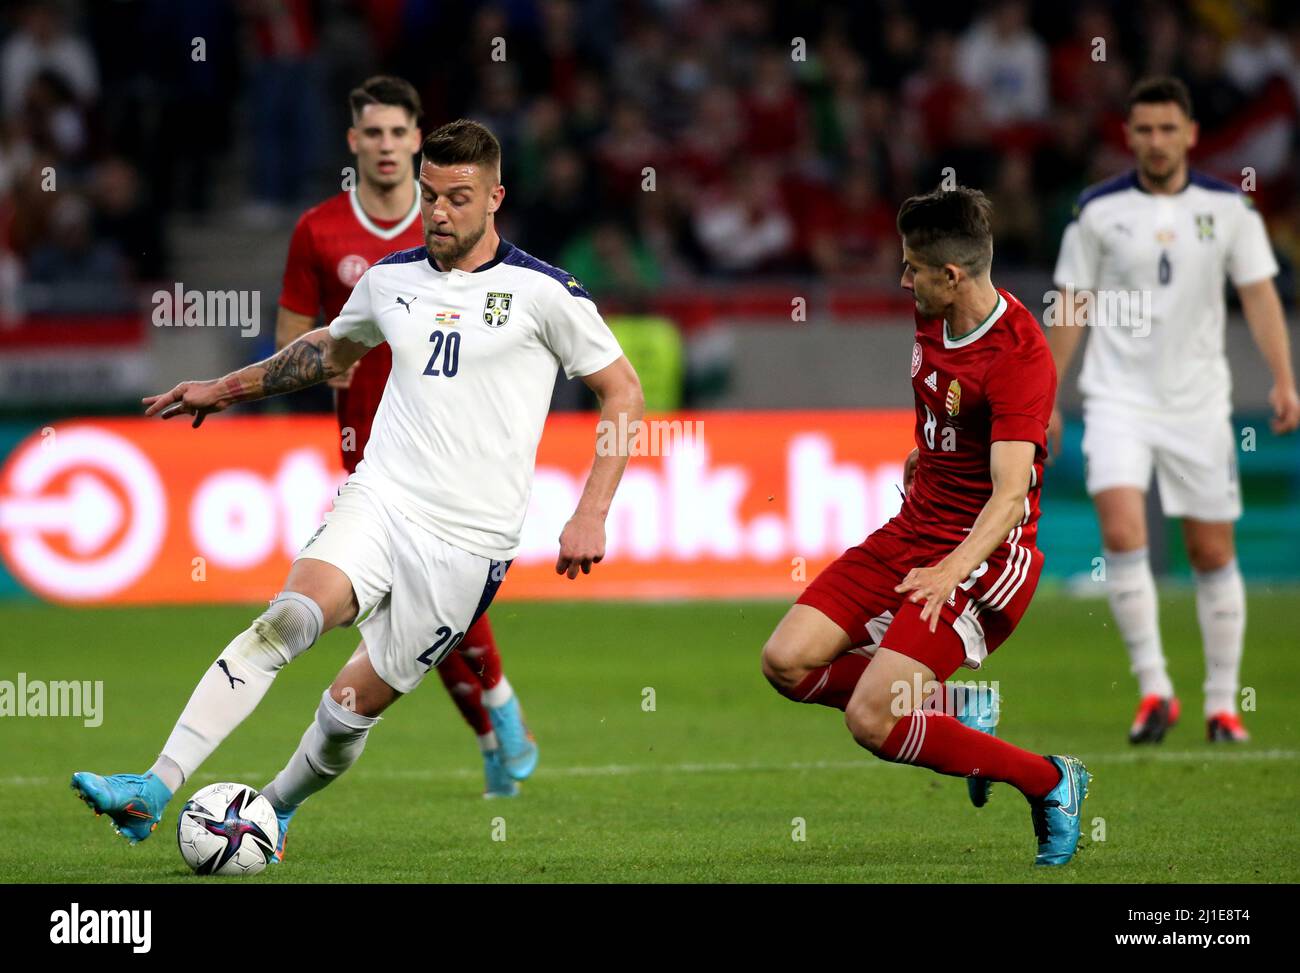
column 332, row 246
column 996, row 383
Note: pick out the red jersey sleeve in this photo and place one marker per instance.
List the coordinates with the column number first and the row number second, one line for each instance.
column 1021, row 389
column 300, row 290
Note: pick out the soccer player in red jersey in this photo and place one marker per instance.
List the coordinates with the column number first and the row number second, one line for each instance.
column 332, row 246
column 944, row 582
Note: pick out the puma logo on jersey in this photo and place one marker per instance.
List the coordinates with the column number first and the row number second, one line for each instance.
column 932, row 381
column 226, row 670
column 407, row 304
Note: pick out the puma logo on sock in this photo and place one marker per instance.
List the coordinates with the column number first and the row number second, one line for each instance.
column 226, row 670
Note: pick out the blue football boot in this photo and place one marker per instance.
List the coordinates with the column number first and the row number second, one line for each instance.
column 282, row 820
column 1057, row 821
column 134, row 803
column 980, row 709
column 498, row 782
column 518, row 751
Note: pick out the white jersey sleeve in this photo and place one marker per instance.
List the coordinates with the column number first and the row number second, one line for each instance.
column 1080, row 256
column 574, row 331
column 1250, row 257
column 356, row 321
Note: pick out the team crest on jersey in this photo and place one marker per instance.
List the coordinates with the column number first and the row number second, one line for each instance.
column 953, row 401
column 916, row 357
column 1205, row 226
column 496, row 311
column 351, row 268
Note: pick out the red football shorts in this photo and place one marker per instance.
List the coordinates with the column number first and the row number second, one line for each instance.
column 856, row 591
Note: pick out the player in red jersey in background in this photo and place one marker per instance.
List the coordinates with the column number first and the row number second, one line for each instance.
column 331, row 248
column 945, row 582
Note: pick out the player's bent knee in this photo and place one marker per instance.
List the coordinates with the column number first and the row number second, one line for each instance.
column 288, row 628
column 781, row 665
column 870, row 722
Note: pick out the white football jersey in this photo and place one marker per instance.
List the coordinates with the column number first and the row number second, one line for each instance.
column 1157, row 265
column 474, row 361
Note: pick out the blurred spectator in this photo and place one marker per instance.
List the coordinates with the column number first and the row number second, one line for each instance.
column 122, row 214
column 1215, row 98
column 43, row 43
column 1255, row 55
column 625, row 151
column 560, row 210
column 744, row 225
column 284, row 107
column 1016, row 215
column 73, row 272
column 773, row 108
column 851, row 229
column 714, row 136
column 936, row 96
column 1006, row 62
column 607, row 260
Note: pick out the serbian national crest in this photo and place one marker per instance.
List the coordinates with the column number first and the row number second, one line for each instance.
column 496, row 311
column 916, row 358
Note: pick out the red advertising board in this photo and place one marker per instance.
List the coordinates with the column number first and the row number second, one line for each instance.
column 733, row 504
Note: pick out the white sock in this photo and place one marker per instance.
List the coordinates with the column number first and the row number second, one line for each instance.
column 1221, row 610
column 1131, row 591
column 169, row 772
column 488, row 741
column 498, row 695
column 237, row 681
column 330, row 746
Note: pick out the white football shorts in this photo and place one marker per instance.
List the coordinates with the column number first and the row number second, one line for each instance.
column 1194, row 458
column 418, row 595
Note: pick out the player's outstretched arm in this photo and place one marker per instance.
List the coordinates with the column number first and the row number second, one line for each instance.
column 313, row 358
column 1011, row 464
column 622, row 405
column 1263, row 310
column 290, row 326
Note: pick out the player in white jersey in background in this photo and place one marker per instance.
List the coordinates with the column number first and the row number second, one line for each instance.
column 1144, row 265
column 421, row 535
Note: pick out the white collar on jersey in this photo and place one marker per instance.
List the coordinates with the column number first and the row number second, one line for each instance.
column 379, row 231
column 975, row 335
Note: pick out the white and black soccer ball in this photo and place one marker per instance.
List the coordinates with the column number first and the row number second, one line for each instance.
column 227, row 829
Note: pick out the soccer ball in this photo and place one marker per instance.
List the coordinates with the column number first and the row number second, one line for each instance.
column 227, row 829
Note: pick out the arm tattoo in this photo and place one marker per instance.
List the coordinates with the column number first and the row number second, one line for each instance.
column 296, row 366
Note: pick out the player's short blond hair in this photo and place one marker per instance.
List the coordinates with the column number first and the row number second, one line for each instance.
column 463, row 142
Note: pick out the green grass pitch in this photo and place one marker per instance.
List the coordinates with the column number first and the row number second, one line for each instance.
column 706, row 787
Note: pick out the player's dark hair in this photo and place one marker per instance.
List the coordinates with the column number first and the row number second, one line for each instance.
column 1158, row 91
column 463, row 142
column 384, row 89
column 949, row 226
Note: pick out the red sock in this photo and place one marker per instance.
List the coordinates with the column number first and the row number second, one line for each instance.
column 463, row 686
column 831, row 685
column 935, row 740
column 479, row 649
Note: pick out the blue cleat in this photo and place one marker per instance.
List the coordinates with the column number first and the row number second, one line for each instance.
column 979, row 708
column 1056, row 816
column 282, row 820
column 499, row 783
column 518, row 751
column 134, row 803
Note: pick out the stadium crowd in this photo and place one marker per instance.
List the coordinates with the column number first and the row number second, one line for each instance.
column 778, row 138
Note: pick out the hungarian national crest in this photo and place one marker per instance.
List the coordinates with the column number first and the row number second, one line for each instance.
column 496, row 312
column 953, row 400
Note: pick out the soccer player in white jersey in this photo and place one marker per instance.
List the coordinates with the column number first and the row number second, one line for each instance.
column 421, row 535
column 1143, row 265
